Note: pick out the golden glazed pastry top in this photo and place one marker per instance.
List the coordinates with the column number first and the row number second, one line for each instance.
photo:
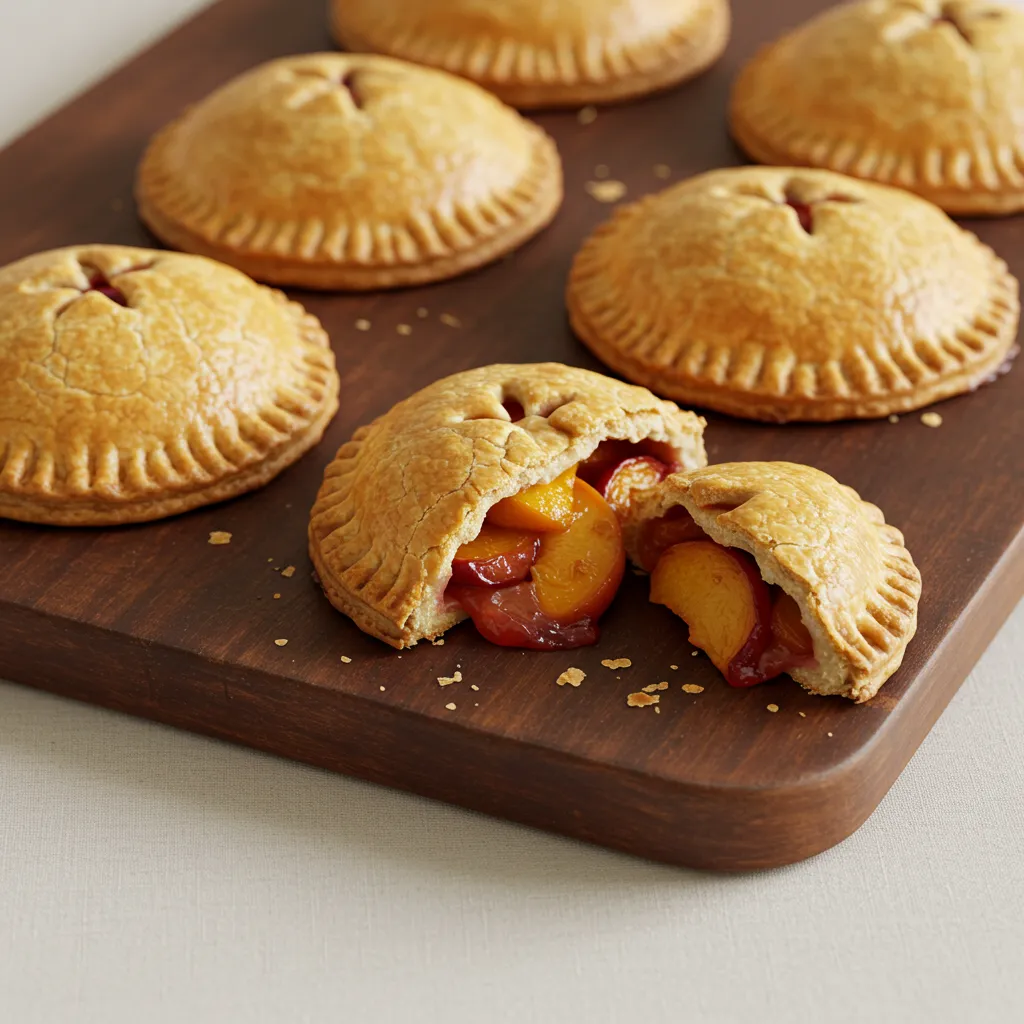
column 407, row 490
column 855, row 582
column 353, row 161
column 201, row 385
column 780, row 293
column 544, row 52
column 924, row 94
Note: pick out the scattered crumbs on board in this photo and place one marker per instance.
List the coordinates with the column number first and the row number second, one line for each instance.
column 587, row 115
column 288, row 571
column 654, row 687
column 610, row 191
column 662, row 171
column 802, row 714
column 450, row 320
column 642, row 700
column 693, row 688
column 931, row 419
column 281, row 643
column 572, row 676
column 473, row 686
column 218, row 537
column 439, row 642
column 693, row 654
column 277, row 597
column 450, row 706
column 773, row 708
column 675, row 668
column 614, row 663
column 456, row 677
column 404, row 329
column 346, row 659
column 363, row 325
column 383, row 688
column 657, row 710
column 830, row 734
column 893, row 418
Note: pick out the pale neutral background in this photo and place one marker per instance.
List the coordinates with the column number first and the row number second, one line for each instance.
column 152, row 877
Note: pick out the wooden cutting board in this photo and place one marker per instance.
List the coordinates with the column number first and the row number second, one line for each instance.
column 154, row 621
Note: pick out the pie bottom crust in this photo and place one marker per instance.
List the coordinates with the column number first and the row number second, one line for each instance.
column 297, row 271
column 64, row 510
column 904, row 170
column 990, row 340
column 676, row 65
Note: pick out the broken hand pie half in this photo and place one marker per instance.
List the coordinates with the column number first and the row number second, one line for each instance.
column 924, row 94
column 137, row 384
column 789, row 294
column 776, row 567
column 544, row 53
column 494, row 494
column 355, row 172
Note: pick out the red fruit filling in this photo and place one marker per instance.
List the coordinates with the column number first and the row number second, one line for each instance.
column 99, row 283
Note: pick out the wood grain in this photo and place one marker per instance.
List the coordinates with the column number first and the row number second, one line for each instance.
column 153, row 621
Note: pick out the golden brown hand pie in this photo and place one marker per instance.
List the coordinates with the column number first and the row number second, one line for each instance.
column 924, row 94
column 349, row 172
column 789, row 294
column 137, row 384
column 853, row 581
column 545, row 53
column 403, row 495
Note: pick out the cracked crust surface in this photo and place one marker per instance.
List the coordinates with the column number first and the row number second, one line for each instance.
column 865, row 301
column 408, row 489
column 833, row 553
column 349, row 171
column 202, row 386
column 536, row 53
column 927, row 95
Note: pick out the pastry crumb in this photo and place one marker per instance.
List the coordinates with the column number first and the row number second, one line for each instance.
column 572, row 676
column 450, row 320
column 773, row 708
column 288, row 571
column 456, row 677
column 657, row 710
column 277, row 597
column 587, row 115
column 404, row 329
column 601, row 171
column 450, row 707
column 830, row 734
column 802, row 714
column 931, row 419
column 473, row 686
column 693, row 654
column 438, row 642
column 641, row 700
column 383, row 688
column 693, row 688
column 423, row 312
column 662, row 171
column 346, row 659
column 281, row 643
column 893, row 418
column 610, row 191
column 675, row 668
column 219, row 537
column 363, row 325
column 654, row 687
column 614, row 663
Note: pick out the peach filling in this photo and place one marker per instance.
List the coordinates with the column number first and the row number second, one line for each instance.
column 99, row 283
column 548, row 561
column 752, row 631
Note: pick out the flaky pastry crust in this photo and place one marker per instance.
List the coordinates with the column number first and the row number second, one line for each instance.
column 832, row 552
column 538, row 53
column 348, row 171
column 927, row 95
column 202, row 386
column 402, row 496
column 793, row 294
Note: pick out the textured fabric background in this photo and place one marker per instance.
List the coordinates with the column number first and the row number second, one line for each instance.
column 152, row 877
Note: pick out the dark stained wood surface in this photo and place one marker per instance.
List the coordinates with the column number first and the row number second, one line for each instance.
column 154, row 621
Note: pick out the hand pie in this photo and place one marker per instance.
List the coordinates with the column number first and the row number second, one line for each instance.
column 349, row 172
column 137, row 384
column 782, row 294
column 776, row 568
column 545, row 53
column 493, row 494
column 924, row 94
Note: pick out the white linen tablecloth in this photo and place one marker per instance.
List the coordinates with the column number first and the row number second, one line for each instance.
column 148, row 876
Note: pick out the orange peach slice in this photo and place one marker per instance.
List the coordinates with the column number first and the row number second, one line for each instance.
column 540, row 509
column 619, row 482
column 495, row 557
column 578, row 572
column 788, row 628
column 719, row 594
